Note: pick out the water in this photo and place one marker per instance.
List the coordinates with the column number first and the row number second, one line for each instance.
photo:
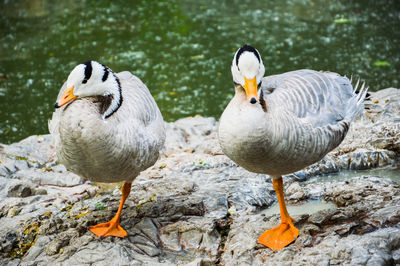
column 390, row 173
column 309, row 208
column 314, row 206
column 183, row 49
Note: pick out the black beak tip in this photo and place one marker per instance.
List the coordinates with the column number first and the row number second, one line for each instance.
column 253, row 100
column 56, row 105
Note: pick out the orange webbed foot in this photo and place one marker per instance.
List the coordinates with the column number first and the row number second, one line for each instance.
column 280, row 236
column 110, row 228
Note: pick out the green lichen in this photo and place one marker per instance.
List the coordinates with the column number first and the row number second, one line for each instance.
column 81, row 215
column 46, row 169
column 152, row 198
column 47, row 214
column 201, row 162
column 21, row 158
column 28, row 239
column 100, row 206
column 67, row 208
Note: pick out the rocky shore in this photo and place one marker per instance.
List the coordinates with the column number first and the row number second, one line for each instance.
column 196, row 207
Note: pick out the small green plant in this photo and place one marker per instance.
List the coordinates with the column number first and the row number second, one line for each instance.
column 201, row 162
column 381, row 63
column 100, row 206
column 342, row 20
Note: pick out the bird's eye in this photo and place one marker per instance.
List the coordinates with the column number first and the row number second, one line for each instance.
column 84, row 81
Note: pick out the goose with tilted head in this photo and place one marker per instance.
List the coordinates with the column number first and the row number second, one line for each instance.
column 106, row 128
column 279, row 124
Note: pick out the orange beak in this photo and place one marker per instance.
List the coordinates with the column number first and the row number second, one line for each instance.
column 250, row 86
column 66, row 97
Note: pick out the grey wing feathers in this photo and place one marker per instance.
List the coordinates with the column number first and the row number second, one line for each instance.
column 138, row 94
column 321, row 98
column 140, row 99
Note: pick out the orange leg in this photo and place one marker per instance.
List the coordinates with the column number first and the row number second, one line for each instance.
column 285, row 233
column 112, row 228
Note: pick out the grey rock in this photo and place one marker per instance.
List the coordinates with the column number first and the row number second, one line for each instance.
column 61, row 240
column 24, row 189
column 34, row 149
column 294, row 192
column 193, row 134
column 9, row 242
column 170, row 240
column 200, row 262
column 321, row 217
column 38, row 250
column 396, row 256
column 327, row 233
column 19, row 190
column 38, row 176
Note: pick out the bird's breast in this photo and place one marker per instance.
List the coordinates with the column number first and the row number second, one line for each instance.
column 244, row 136
column 96, row 148
column 262, row 142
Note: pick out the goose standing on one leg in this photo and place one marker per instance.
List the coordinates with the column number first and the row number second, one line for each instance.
column 280, row 124
column 107, row 128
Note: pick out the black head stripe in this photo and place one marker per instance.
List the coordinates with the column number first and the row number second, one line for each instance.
column 247, row 48
column 118, row 82
column 88, row 70
column 105, row 74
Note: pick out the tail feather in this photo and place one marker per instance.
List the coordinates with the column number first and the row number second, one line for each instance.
column 362, row 92
column 357, row 101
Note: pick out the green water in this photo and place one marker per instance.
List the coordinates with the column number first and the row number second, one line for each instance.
column 183, row 49
column 390, row 173
column 309, row 208
column 312, row 206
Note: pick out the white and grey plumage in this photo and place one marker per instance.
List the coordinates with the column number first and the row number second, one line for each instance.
column 96, row 140
column 300, row 116
column 280, row 124
column 107, row 126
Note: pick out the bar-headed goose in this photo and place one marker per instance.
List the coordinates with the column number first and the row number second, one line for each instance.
column 107, row 128
column 280, row 124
